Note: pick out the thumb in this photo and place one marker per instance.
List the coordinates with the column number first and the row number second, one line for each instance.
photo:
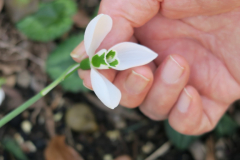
column 126, row 15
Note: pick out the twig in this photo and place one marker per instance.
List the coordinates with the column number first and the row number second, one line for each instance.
column 50, row 124
column 160, row 151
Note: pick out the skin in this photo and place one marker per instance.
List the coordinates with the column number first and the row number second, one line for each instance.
column 202, row 36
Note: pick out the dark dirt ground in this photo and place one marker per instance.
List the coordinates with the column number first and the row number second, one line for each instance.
column 120, row 132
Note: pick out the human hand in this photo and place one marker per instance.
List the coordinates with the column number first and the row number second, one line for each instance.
column 197, row 73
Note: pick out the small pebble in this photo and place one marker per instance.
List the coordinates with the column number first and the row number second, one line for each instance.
column 31, row 147
column 79, row 147
column 107, row 157
column 119, row 122
column 113, row 135
column 23, row 79
column 80, row 118
column 151, row 133
column 26, row 126
column 58, row 116
column 148, row 147
column 18, row 138
column 11, row 80
column 220, row 149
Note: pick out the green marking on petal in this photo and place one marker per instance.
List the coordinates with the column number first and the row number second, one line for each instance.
column 98, row 60
column 110, row 55
column 114, row 63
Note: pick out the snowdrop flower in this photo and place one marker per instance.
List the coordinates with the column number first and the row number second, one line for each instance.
column 120, row 57
column 2, row 95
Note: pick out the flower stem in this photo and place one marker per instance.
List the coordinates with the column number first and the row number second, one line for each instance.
column 42, row 93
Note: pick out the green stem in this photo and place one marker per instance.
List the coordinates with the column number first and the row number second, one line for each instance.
column 42, row 93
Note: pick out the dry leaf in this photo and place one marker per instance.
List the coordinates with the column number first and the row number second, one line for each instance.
column 210, row 149
column 123, row 157
column 58, row 150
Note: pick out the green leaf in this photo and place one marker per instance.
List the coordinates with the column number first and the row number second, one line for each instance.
column 59, row 60
column 51, row 21
column 179, row 140
column 12, row 147
column 226, row 126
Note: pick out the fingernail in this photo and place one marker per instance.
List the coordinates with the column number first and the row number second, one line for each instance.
column 184, row 101
column 172, row 71
column 79, row 52
column 74, row 54
column 136, row 83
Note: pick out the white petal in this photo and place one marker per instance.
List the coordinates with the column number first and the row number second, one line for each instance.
column 2, row 95
column 132, row 55
column 95, row 32
column 105, row 90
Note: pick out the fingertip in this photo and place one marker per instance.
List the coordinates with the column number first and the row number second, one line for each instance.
column 87, row 84
column 179, row 60
column 85, row 76
column 79, row 53
column 170, row 78
column 144, row 71
column 83, row 73
column 185, row 99
column 186, row 116
column 134, row 85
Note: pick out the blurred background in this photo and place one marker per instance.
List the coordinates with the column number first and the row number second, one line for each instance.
column 70, row 123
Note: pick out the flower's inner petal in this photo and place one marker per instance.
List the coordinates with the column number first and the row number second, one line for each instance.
column 111, row 58
column 132, row 55
column 98, row 60
column 105, row 90
column 95, row 32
